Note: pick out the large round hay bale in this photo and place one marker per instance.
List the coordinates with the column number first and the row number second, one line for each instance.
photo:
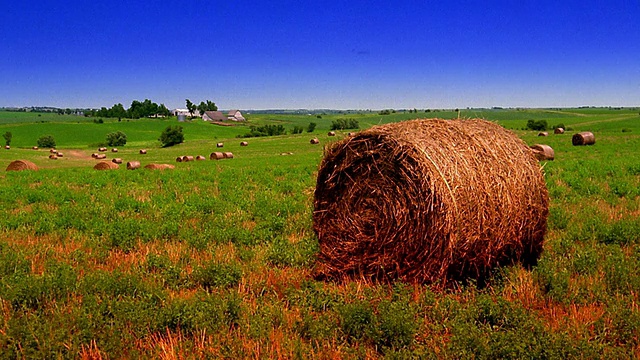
column 583, row 138
column 314, row 141
column 543, row 133
column 200, row 158
column 244, row 143
column 331, row 133
column 116, row 160
column 220, row 145
column 558, row 130
column 159, row 166
column 543, row 152
column 428, row 201
column 143, row 151
column 106, row 165
column 132, row 165
column 187, row 158
column 216, row 156
column 19, row 165
column 228, row 155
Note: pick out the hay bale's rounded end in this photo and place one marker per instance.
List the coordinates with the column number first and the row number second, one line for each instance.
column 106, row 165
column 19, row 165
column 132, row 165
column 314, row 141
column 583, row 138
column 558, row 130
column 200, row 158
column 543, row 152
column 143, row 151
column 53, row 156
column 244, row 143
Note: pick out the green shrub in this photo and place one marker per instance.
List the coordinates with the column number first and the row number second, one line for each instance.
column 297, row 129
column 343, row 124
column 311, row 127
column 7, row 138
column 46, row 141
column 172, row 135
column 265, row 130
column 357, row 321
column 539, row 125
column 117, row 138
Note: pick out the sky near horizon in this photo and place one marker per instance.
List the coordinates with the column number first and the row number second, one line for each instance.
column 321, row 54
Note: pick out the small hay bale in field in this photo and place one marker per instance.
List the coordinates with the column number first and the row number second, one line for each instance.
column 331, row 133
column 286, row 153
column 159, row 166
column 116, row 161
column 543, row 152
column 94, row 155
column 114, row 150
column 216, row 156
column 59, row 154
column 228, row 155
column 143, row 151
column 132, row 165
column 187, row 158
column 35, row 148
column 244, row 143
column 314, row 141
column 558, row 131
column 351, row 134
column 200, row 158
column 106, row 165
column 53, row 156
column 543, row 133
column 7, row 147
column 102, row 149
column 428, row 201
column 101, row 156
column 583, row 138
column 180, row 159
column 220, row 145
column 53, row 151
column 19, row 165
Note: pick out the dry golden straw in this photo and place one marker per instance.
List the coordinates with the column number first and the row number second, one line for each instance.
column 187, row 158
column 106, row 165
column 583, row 138
column 428, row 201
column 159, row 166
column 543, row 152
column 132, row 165
column 19, row 165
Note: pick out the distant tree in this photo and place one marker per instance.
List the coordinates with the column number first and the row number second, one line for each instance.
column 342, row 124
column 311, row 127
column 191, row 107
column 172, row 135
column 539, row 125
column 46, row 141
column 117, row 138
column 162, row 110
column 297, row 129
column 7, row 138
column 211, row 106
column 202, row 107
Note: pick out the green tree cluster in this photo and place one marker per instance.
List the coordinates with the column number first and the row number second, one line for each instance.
column 138, row 109
column 311, row 127
column 172, row 135
column 117, row 138
column 265, row 130
column 539, row 125
column 7, row 138
column 342, row 124
column 46, row 141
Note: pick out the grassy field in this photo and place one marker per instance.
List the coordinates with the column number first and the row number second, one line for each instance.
column 213, row 258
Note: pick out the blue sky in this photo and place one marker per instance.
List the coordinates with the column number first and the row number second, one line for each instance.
column 321, row 54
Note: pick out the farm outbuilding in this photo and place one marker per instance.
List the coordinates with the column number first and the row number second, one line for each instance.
column 214, row 116
column 235, row 115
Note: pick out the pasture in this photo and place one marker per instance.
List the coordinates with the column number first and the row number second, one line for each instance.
column 214, row 258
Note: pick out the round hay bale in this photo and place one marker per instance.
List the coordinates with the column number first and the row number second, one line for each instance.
column 102, row 149
column 101, row 156
column 132, row 165
column 314, row 141
column 558, row 131
column 19, row 165
column 244, row 143
column 228, row 155
column 143, row 151
column 35, row 148
column 180, row 159
column 543, row 152
column 216, row 156
column 94, row 155
column 187, row 158
column 114, row 150
column 52, row 151
column 116, row 161
column 543, row 133
column 159, row 166
column 200, row 158
column 351, row 134
column 583, row 138
column 106, row 165
column 53, row 157
column 428, row 201
column 331, row 133
column 59, row 154
column 7, row 147
column 220, row 145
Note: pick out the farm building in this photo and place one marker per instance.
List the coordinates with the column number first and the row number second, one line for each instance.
column 235, row 115
column 184, row 112
column 213, row 116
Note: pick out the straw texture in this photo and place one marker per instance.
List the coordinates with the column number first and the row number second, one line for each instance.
column 106, row 165
column 159, row 166
column 543, row 152
column 19, row 165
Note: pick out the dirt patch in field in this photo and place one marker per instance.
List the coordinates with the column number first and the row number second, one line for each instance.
column 77, row 154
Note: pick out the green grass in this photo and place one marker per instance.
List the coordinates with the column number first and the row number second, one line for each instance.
column 213, row 259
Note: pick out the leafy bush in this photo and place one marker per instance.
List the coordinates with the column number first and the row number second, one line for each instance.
column 7, row 138
column 265, row 130
column 297, row 130
column 561, row 125
column 539, row 125
column 342, row 124
column 311, row 127
column 117, row 138
column 46, row 141
column 172, row 135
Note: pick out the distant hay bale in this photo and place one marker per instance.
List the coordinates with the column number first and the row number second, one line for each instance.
column 314, row 141
column 428, row 201
column 7, row 147
column 244, row 143
column 200, row 158
column 59, row 154
column 143, row 151
column 583, row 138
column 228, row 155
column 116, row 160
column 114, row 150
column 216, row 156
column 19, row 165
column 543, row 152
column 101, row 156
column 220, row 145
column 159, row 166
column 351, row 134
column 35, row 148
column 187, row 158
column 106, row 165
column 286, row 153
column 558, row 131
column 53, row 151
column 53, row 156
column 102, row 149
column 132, row 165
column 94, row 155
column 543, row 133
column 331, row 133
column 180, row 159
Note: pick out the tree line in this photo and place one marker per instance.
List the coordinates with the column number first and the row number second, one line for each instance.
column 137, row 110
